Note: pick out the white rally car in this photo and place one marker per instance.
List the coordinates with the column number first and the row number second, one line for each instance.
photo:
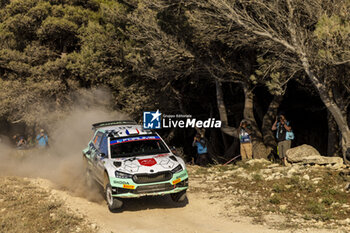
column 129, row 161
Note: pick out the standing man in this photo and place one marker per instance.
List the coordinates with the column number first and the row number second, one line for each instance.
column 284, row 136
column 202, row 150
column 42, row 139
column 244, row 138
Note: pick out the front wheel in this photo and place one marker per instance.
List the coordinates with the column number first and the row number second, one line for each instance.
column 179, row 197
column 112, row 202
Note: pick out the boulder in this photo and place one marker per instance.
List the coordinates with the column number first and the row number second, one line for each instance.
column 297, row 154
column 306, row 154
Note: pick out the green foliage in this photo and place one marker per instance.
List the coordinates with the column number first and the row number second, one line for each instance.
column 275, row 200
column 257, row 177
column 59, row 33
column 278, row 188
column 4, row 3
column 20, row 6
column 333, row 35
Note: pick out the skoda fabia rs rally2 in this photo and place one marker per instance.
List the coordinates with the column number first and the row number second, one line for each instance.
column 129, row 161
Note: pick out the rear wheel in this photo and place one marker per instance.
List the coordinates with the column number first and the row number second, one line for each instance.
column 179, row 197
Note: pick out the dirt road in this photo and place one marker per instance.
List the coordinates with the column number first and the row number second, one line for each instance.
column 158, row 214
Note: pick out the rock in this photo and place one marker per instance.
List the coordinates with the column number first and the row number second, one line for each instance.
column 306, row 177
column 93, row 226
column 345, row 221
column 307, row 154
column 273, row 165
column 316, row 180
column 283, row 207
column 347, row 187
column 297, row 154
column 253, row 161
column 292, row 171
column 338, row 165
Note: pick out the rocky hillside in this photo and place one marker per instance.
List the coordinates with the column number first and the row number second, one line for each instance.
column 283, row 197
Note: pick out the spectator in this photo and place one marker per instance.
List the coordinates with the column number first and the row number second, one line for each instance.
column 244, row 138
column 22, row 143
column 14, row 140
column 284, row 136
column 202, row 150
column 42, row 139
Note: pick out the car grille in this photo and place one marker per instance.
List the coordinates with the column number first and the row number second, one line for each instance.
column 154, row 188
column 152, row 178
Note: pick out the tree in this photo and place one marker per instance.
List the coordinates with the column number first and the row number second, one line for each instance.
column 237, row 61
column 310, row 34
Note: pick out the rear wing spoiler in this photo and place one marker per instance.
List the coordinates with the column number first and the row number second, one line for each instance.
column 112, row 123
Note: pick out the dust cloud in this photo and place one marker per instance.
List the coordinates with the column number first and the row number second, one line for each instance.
column 62, row 162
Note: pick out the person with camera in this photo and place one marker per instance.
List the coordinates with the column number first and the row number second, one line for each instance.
column 42, row 140
column 202, row 150
column 244, row 138
column 284, row 136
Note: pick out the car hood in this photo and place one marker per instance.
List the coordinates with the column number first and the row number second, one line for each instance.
column 147, row 164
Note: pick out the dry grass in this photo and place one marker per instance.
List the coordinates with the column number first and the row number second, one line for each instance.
column 26, row 208
column 293, row 197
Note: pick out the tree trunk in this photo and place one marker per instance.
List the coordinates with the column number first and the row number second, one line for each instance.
column 268, row 120
column 222, row 112
column 333, row 148
column 259, row 149
column 332, row 107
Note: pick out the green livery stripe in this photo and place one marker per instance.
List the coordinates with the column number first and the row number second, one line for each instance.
column 132, row 195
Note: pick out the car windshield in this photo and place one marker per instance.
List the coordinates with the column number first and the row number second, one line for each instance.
column 134, row 146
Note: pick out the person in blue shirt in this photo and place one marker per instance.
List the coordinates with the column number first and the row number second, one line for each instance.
column 284, row 136
column 42, row 139
column 202, row 150
column 246, row 147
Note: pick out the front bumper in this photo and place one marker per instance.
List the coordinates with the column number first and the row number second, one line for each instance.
column 126, row 188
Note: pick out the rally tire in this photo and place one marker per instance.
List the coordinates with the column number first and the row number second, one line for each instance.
column 179, row 197
column 112, row 202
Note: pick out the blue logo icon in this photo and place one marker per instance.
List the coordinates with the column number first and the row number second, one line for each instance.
column 151, row 120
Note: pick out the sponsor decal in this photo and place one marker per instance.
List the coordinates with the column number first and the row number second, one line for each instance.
column 177, row 181
column 161, row 155
column 147, row 162
column 120, row 182
column 151, row 120
column 95, row 141
column 128, row 186
column 143, row 138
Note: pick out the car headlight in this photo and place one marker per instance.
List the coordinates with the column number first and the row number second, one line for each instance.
column 122, row 175
column 177, row 169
